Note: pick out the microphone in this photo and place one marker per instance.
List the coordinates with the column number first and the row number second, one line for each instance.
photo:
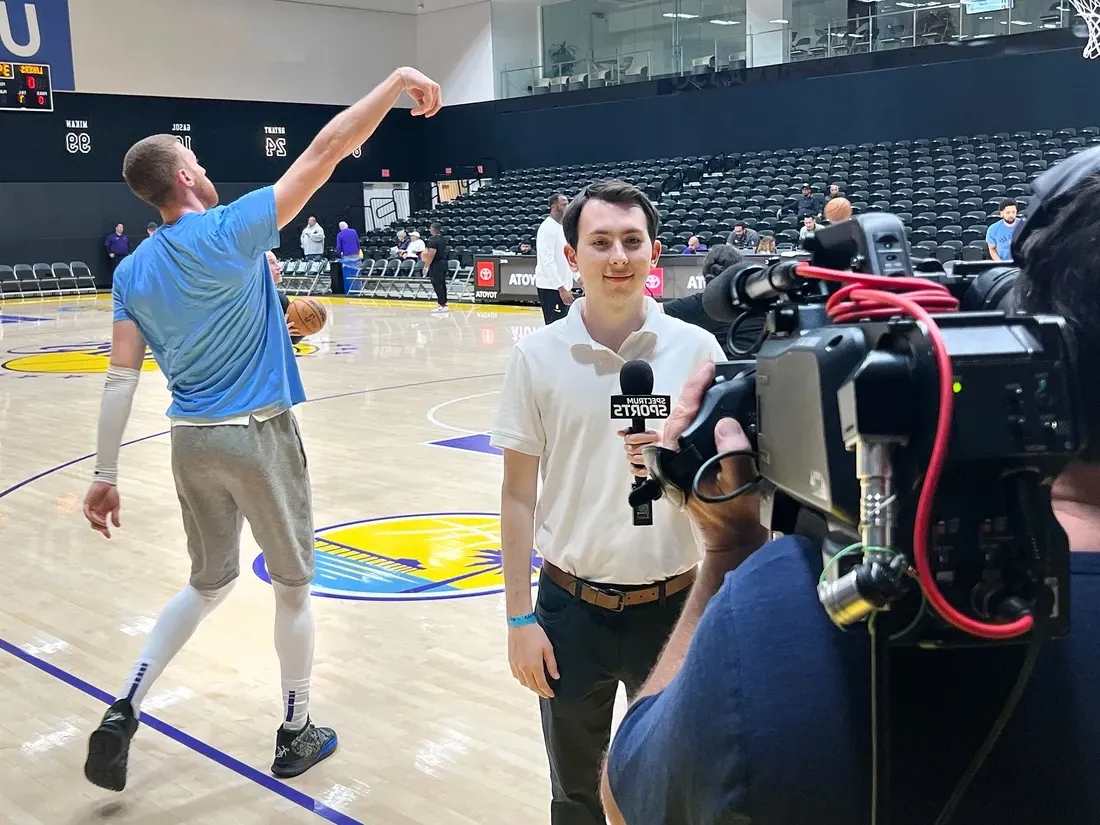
column 637, row 403
column 749, row 284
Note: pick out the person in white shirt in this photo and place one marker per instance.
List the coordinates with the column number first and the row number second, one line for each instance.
column 415, row 247
column 553, row 278
column 313, row 240
column 609, row 591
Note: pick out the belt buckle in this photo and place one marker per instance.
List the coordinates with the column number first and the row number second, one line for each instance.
column 617, row 593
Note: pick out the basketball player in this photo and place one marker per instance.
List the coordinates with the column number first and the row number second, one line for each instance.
column 610, row 591
column 200, row 294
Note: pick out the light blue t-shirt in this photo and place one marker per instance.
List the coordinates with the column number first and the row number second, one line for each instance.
column 202, row 295
column 999, row 235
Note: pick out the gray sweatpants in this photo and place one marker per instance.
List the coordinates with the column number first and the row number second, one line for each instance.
column 230, row 472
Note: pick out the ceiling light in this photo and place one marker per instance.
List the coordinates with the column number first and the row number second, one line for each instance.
column 1050, row 26
column 778, row 21
column 726, row 22
column 1021, row 22
column 681, row 15
column 905, row 5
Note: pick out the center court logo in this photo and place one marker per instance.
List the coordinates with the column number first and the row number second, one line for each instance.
column 426, row 556
column 86, row 359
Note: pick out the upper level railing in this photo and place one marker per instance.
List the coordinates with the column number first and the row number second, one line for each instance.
column 698, row 50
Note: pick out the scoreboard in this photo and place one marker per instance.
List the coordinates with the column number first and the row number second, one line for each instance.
column 26, row 87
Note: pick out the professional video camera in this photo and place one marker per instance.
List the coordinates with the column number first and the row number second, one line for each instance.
column 916, row 442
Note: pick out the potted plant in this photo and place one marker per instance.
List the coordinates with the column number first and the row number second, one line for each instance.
column 562, row 59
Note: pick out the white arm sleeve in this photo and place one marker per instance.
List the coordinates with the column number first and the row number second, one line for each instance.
column 114, row 412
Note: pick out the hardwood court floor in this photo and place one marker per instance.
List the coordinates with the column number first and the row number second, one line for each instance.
column 411, row 663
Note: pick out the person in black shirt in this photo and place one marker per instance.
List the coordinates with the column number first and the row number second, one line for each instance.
column 809, row 203
column 690, row 307
column 758, row 710
column 434, row 257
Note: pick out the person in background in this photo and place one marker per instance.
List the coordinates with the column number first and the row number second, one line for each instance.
column 347, row 250
column 999, row 236
column 834, row 192
column 808, row 203
column 809, row 227
column 742, row 237
column 766, row 245
column 694, row 247
column 150, row 228
column 415, row 247
column 690, row 307
column 313, row 240
column 553, row 279
column 525, row 248
column 402, row 244
column 118, row 246
column 434, row 257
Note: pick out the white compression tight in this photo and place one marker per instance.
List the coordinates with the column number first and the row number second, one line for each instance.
column 294, row 634
column 175, row 625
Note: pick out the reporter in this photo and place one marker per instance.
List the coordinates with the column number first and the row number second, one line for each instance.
column 759, row 709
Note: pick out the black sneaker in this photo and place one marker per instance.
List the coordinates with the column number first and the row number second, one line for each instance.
column 298, row 751
column 109, row 747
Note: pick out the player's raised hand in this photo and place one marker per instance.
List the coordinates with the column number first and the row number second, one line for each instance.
column 102, row 503
column 424, row 91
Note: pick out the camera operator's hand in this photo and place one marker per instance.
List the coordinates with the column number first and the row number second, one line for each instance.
column 634, row 443
column 725, row 525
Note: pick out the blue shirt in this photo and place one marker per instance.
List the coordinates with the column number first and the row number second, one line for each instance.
column 999, row 235
column 202, row 295
column 768, row 721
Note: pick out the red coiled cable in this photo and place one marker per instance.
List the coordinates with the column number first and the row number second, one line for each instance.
column 863, row 298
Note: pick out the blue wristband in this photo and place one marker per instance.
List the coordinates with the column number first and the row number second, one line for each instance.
column 519, row 621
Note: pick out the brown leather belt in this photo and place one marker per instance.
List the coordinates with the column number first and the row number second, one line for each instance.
column 617, row 600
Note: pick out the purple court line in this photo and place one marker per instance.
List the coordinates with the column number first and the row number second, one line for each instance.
column 222, row 758
column 200, row 747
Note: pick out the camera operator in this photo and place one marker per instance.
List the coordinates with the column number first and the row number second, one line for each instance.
column 759, row 708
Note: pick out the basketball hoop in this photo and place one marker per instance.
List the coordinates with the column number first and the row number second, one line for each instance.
column 1090, row 13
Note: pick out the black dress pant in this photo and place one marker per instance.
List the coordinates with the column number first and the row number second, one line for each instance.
column 595, row 649
column 553, row 308
column 439, row 284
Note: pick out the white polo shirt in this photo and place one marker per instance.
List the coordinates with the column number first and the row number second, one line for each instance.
column 555, row 404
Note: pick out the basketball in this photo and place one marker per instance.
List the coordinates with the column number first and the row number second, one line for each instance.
column 308, row 314
column 838, row 209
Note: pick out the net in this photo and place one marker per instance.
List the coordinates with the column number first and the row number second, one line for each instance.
column 1090, row 13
